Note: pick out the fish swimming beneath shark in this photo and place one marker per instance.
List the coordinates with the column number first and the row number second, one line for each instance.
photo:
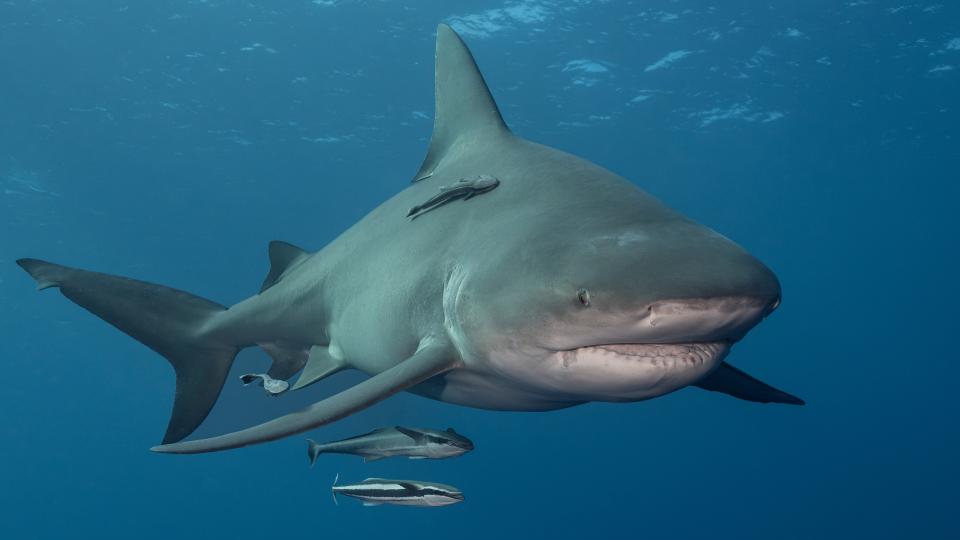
column 415, row 443
column 566, row 284
column 377, row 491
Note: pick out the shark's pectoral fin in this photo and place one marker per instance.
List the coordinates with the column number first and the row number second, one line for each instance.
column 431, row 359
column 320, row 364
column 283, row 257
column 730, row 380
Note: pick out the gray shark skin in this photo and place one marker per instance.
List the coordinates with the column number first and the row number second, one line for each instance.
column 415, row 443
column 565, row 284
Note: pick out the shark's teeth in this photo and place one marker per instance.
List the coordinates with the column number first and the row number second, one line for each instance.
column 658, row 354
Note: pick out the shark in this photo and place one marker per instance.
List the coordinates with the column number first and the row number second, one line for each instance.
column 530, row 280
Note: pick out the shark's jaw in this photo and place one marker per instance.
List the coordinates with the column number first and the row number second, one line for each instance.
column 629, row 355
column 631, row 371
column 653, row 351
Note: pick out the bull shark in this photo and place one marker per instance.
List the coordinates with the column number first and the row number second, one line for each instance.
column 564, row 285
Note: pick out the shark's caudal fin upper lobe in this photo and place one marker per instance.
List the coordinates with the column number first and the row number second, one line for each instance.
column 164, row 319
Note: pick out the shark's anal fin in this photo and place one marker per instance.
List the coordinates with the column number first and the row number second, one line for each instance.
column 283, row 258
column 730, row 380
column 320, row 364
column 433, row 358
column 465, row 110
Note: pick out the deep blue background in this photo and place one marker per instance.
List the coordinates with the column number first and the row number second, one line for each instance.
column 171, row 142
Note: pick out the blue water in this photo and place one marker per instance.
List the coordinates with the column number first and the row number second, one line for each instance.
column 171, row 141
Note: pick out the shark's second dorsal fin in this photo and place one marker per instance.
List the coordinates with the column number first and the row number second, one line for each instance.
column 465, row 110
column 283, row 257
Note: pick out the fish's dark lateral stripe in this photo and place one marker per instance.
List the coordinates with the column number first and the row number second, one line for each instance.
column 393, row 493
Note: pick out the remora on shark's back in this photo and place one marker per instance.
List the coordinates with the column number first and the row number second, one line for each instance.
column 415, row 443
column 565, row 284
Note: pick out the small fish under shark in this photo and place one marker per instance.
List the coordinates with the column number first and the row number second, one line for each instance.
column 377, row 491
column 415, row 443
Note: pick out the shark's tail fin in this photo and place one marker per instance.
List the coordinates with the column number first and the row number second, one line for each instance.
column 166, row 320
column 313, row 450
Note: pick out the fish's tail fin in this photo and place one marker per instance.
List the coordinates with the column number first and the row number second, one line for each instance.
column 167, row 320
column 314, row 449
column 250, row 378
column 333, row 489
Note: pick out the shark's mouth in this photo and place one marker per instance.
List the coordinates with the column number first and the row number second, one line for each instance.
column 664, row 355
column 634, row 371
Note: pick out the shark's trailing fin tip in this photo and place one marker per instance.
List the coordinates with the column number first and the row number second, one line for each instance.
column 44, row 273
column 731, row 381
column 164, row 319
column 464, row 110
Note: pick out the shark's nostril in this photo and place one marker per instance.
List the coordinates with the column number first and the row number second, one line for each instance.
column 773, row 307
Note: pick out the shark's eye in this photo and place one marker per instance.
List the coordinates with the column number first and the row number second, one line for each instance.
column 583, row 296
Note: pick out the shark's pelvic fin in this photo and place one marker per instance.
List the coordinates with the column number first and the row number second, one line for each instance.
column 432, row 359
column 164, row 319
column 730, row 380
column 465, row 110
column 283, row 258
column 288, row 358
column 320, row 364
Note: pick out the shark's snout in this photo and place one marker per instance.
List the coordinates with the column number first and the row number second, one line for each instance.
column 714, row 291
column 700, row 320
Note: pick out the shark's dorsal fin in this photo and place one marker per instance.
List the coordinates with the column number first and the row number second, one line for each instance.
column 465, row 110
column 283, row 257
